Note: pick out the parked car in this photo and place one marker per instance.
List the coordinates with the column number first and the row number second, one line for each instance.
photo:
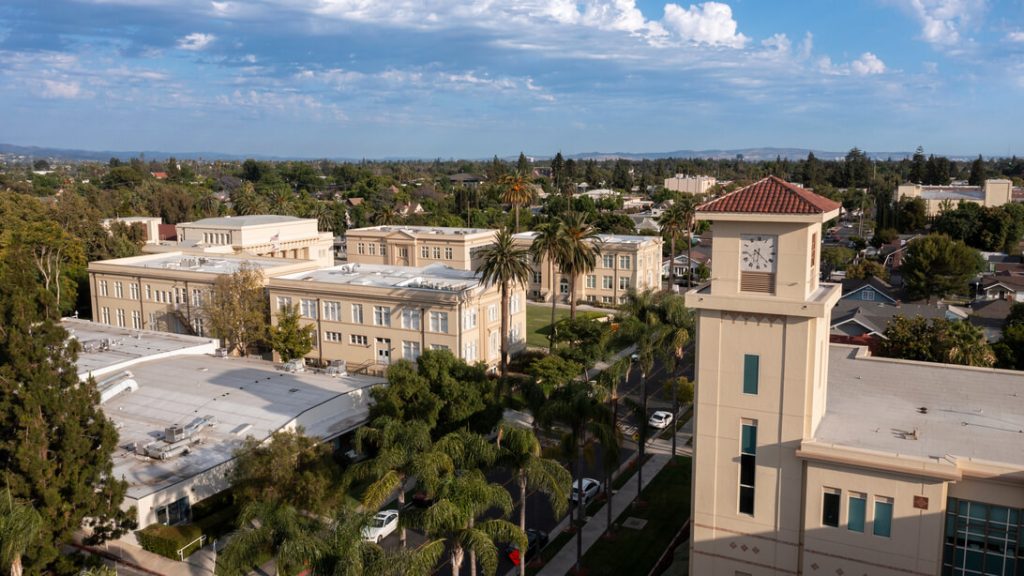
column 660, row 419
column 536, row 540
column 590, row 489
column 381, row 526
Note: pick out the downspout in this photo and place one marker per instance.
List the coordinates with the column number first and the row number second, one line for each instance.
column 95, row 297
column 188, row 306
column 423, row 329
column 319, row 331
column 142, row 306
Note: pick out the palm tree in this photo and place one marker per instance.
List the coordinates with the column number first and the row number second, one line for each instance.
column 19, row 527
column 405, row 450
column 275, row 528
column 967, row 345
column 642, row 323
column 548, row 244
column 385, row 215
column 519, row 452
column 582, row 245
column 689, row 208
column 677, row 325
column 673, row 224
column 517, row 191
column 342, row 551
column 246, row 201
column 324, row 214
column 579, row 406
column 460, row 501
column 610, row 379
column 504, row 264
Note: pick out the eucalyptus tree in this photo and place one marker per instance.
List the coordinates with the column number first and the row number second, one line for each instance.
column 549, row 244
column 504, row 264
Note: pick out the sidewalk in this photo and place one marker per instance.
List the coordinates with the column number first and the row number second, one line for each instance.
column 660, row 451
column 602, row 365
column 118, row 553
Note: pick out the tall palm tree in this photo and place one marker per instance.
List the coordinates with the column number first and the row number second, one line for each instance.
column 610, row 379
column 460, row 501
column 967, row 345
column 246, row 201
column 274, row 528
column 673, row 225
column 19, row 527
column 517, row 191
column 404, row 450
column 519, row 452
column 677, row 326
column 324, row 214
column 548, row 244
column 385, row 215
column 689, row 208
column 642, row 323
column 582, row 246
column 580, row 406
column 504, row 264
column 342, row 551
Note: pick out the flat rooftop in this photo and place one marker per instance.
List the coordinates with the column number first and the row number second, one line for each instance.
column 960, row 412
column 246, row 397
column 108, row 348
column 606, row 238
column 437, row 277
column 952, row 193
column 240, row 221
column 209, row 264
column 426, row 230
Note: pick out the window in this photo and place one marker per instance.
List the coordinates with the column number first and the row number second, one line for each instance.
column 373, row 249
column 814, row 249
column 410, row 319
column 382, row 316
column 609, row 261
column 492, row 313
column 591, row 281
column 149, row 292
column 197, row 297
column 982, row 539
column 106, row 315
column 469, row 318
column 563, row 286
column 152, row 321
column 133, row 291
column 307, row 308
column 624, row 262
column 360, row 248
column 513, row 303
column 358, row 340
column 448, row 254
column 439, row 322
column 180, row 296
column 606, row 299
column 103, row 287
column 410, row 350
column 748, row 465
column 868, row 295
column 513, row 334
column 118, row 290
column 856, row 509
column 751, row 367
column 883, row 517
column 332, row 336
column 830, row 507
column 537, row 278
column 439, row 347
column 174, row 513
column 469, row 352
column 403, row 252
column 136, row 320
column 332, row 311
column 607, row 282
column 283, row 303
column 623, row 283
column 197, row 326
column 424, row 251
column 383, row 249
column 495, row 344
column 357, row 313
column 120, row 317
column 437, row 252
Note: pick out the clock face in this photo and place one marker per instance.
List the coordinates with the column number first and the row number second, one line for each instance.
column 757, row 253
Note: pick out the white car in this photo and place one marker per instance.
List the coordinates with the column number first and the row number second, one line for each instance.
column 381, row 526
column 590, row 489
column 660, row 419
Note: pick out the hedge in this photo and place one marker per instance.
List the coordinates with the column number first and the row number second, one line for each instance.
column 167, row 540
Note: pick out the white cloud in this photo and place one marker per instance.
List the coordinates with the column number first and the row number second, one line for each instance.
column 867, row 64
column 778, row 42
column 709, row 23
column 944, row 21
column 60, row 89
column 196, row 41
column 1017, row 36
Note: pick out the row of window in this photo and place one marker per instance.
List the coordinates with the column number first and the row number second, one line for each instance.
column 119, row 318
column 173, row 296
column 216, row 238
column 409, row 317
column 427, row 251
column 982, row 539
column 371, row 248
column 857, row 512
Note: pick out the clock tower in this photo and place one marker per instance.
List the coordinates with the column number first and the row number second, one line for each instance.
column 761, row 367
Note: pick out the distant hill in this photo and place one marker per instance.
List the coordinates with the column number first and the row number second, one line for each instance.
column 104, row 155
column 749, row 154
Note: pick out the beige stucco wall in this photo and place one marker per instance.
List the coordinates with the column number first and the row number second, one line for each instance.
column 398, row 246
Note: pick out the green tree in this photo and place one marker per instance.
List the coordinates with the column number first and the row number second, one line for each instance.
column 519, row 452
column 548, row 245
column 836, row 257
column 20, row 525
column 504, row 264
column 467, row 395
column 553, row 371
column 948, row 342
column 270, row 528
column 517, row 190
column 341, row 551
column 581, row 247
column 236, row 309
column 867, row 269
column 675, row 222
column 935, row 265
column 978, row 175
column 912, row 214
column 55, row 442
column 917, row 166
column 407, row 397
column 523, row 164
column 882, row 237
column 290, row 467
column 290, row 338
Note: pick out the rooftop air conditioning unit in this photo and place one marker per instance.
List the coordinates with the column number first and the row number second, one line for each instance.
column 221, row 353
column 174, row 433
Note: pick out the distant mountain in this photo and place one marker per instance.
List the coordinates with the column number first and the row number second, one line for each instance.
column 750, row 154
column 104, row 155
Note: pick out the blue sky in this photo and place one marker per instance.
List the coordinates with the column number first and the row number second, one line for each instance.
column 474, row 78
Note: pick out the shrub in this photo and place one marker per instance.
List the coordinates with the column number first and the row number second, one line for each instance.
column 167, row 540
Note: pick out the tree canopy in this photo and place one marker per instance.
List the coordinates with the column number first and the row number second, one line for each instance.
column 936, row 265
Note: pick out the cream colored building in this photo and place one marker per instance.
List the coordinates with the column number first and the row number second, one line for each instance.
column 371, row 315
column 993, row 193
column 624, row 263
column 150, row 224
column 166, row 292
column 690, row 184
column 267, row 235
column 817, row 459
column 417, row 245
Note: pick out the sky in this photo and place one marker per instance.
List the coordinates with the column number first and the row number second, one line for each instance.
column 477, row 78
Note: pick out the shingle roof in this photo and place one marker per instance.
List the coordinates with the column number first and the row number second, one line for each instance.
column 771, row 195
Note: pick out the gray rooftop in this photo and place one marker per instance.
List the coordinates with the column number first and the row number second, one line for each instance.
column 605, row 238
column 107, row 348
column 416, row 230
column 436, row 277
column 971, row 413
column 209, row 264
column 952, row 193
column 240, row 221
column 246, row 397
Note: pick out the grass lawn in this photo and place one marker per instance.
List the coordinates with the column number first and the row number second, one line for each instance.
column 538, row 322
column 636, row 551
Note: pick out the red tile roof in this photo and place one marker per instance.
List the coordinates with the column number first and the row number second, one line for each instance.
column 771, row 195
